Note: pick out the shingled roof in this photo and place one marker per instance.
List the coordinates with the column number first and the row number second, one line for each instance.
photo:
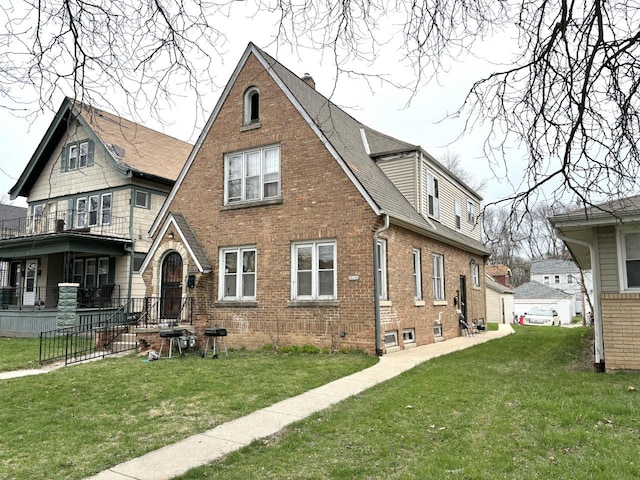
column 356, row 144
column 132, row 147
column 553, row 267
column 535, row 289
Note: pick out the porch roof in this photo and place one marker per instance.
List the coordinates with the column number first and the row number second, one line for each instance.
column 27, row 247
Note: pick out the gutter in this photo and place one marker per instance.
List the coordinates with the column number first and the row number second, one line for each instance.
column 376, row 284
column 599, row 363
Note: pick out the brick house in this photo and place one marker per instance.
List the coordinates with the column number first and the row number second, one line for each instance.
column 606, row 239
column 294, row 223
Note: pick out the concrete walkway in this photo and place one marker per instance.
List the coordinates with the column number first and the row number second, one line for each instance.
column 173, row 460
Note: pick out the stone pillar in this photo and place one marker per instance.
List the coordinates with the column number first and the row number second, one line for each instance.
column 67, row 304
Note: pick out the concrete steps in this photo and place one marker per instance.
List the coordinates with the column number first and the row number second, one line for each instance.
column 124, row 342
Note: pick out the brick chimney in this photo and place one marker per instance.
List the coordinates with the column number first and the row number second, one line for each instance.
column 308, row 79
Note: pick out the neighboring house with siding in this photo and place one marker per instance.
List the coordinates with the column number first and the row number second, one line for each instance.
column 606, row 240
column 294, row 223
column 93, row 186
column 537, row 295
column 564, row 275
column 499, row 299
column 11, row 218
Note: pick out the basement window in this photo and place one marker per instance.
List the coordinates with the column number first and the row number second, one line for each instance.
column 391, row 338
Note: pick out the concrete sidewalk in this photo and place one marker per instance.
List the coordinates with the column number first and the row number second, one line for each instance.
column 173, row 460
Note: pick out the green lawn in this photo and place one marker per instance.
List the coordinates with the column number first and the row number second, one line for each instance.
column 19, row 353
column 77, row 421
column 524, row 407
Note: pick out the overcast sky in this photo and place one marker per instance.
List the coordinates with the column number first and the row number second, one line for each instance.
column 379, row 106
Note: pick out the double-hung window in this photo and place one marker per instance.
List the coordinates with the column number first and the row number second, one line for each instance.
column 417, row 275
column 437, row 262
column 313, row 275
column 631, row 259
column 458, row 207
column 433, row 196
column 238, row 273
column 471, row 213
column 81, row 212
column 93, row 210
column 253, row 175
column 77, row 155
column 475, row 274
column 105, row 209
column 381, row 254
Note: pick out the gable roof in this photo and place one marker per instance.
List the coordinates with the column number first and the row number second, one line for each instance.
column 352, row 145
column 535, row 289
column 133, row 148
column 189, row 240
column 497, row 270
column 554, row 267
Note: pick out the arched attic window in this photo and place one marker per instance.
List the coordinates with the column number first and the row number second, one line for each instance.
column 252, row 106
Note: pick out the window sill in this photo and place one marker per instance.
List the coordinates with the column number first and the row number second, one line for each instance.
column 251, row 204
column 476, row 287
column 313, row 303
column 251, row 126
column 236, row 303
column 419, row 303
column 385, row 303
column 440, row 303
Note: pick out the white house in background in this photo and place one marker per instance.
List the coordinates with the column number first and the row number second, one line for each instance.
column 536, row 295
column 499, row 300
column 564, row 275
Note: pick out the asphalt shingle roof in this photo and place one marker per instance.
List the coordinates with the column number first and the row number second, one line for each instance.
column 535, row 289
column 9, row 212
column 553, row 266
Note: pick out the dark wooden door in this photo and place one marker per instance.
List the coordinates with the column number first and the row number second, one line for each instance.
column 171, row 289
column 463, row 298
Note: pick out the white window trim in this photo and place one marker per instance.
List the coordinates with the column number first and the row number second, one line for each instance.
column 96, row 211
column 417, row 274
column 622, row 258
column 433, row 190
column 458, row 215
column 381, row 251
column 101, row 220
column 315, row 283
column 440, row 260
column 409, row 332
column 392, row 334
column 475, row 274
column 471, row 212
column 243, row 191
column 84, row 212
column 239, row 251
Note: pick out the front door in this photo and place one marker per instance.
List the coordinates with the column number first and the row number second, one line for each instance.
column 30, row 282
column 463, row 297
column 171, row 289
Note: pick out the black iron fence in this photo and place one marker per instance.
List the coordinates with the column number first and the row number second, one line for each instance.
column 106, row 330
column 94, row 222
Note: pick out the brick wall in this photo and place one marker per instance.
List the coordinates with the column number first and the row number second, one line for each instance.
column 621, row 330
column 318, row 202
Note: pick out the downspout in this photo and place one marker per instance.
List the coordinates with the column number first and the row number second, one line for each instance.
column 133, row 246
column 376, row 284
column 597, row 316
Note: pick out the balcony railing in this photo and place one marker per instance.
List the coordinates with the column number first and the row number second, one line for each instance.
column 64, row 222
column 40, row 298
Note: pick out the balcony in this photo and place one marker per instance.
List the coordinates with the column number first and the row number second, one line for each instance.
column 66, row 221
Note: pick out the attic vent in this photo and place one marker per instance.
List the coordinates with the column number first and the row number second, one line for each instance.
column 308, row 79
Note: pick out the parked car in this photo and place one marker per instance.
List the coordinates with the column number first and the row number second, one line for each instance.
column 541, row 316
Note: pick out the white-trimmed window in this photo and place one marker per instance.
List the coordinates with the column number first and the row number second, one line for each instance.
column 103, row 271
column 417, row 275
column 546, row 280
column 437, row 262
column 381, row 253
column 90, row 273
column 78, row 271
column 409, row 335
column 631, row 259
column 253, row 175
column 391, row 338
column 141, row 199
column 569, row 278
column 313, row 272
column 238, row 273
column 93, row 209
column 556, row 279
column 458, row 209
column 252, row 106
column 475, row 274
column 81, row 212
column 105, row 209
column 433, row 196
column 77, row 155
column 471, row 212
